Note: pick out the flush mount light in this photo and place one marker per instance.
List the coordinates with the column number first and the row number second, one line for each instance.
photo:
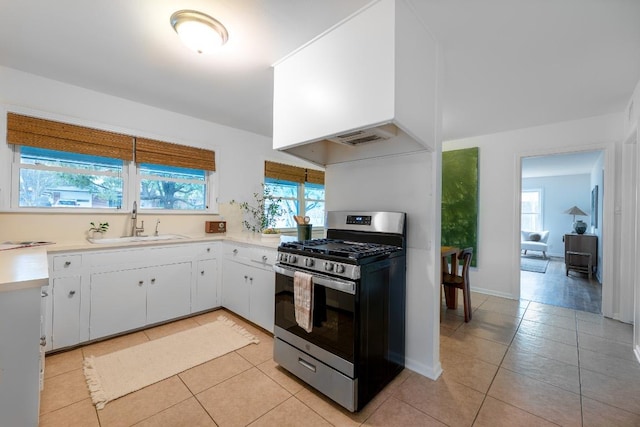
column 198, row 31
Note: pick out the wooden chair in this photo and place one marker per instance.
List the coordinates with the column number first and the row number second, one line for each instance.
column 461, row 281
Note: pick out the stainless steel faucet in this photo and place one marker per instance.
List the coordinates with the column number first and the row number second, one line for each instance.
column 135, row 230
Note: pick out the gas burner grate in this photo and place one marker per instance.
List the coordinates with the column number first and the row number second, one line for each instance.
column 340, row 248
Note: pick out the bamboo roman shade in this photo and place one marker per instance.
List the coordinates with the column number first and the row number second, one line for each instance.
column 292, row 173
column 48, row 134
column 315, row 177
column 283, row 172
column 164, row 153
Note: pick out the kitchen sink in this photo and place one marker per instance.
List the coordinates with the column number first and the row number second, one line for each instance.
column 130, row 239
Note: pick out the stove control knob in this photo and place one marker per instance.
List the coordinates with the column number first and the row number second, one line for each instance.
column 339, row 268
column 328, row 266
column 293, row 259
column 308, row 262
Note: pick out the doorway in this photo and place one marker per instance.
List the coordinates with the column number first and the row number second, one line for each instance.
column 552, row 186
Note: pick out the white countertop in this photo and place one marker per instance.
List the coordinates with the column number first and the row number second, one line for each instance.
column 23, row 268
column 247, row 238
column 28, row 267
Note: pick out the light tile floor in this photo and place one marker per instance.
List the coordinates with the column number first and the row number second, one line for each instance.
column 517, row 363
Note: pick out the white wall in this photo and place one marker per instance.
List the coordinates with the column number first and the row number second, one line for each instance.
column 240, row 155
column 500, row 154
column 559, row 194
column 403, row 183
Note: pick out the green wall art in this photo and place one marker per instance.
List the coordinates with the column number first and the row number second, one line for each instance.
column 460, row 199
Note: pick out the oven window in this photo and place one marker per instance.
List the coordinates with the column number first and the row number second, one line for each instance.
column 333, row 317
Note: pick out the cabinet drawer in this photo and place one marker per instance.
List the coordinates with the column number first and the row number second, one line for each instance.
column 67, row 262
column 237, row 252
column 264, row 257
column 208, row 250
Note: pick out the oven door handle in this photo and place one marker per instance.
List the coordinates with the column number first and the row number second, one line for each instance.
column 326, row 281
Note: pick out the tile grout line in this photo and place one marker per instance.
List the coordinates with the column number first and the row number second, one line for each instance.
column 499, row 365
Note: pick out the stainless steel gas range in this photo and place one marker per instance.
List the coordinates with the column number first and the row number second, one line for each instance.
column 357, row 340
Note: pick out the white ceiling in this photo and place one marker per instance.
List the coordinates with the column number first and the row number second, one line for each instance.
column 560, row 164
column 508, row 63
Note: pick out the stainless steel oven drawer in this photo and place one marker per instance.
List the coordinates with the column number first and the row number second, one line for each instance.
column 323, row 378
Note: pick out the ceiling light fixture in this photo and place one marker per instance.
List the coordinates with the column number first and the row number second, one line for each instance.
column 198, row 31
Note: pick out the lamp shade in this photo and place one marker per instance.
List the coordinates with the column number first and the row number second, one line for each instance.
column 575, row 211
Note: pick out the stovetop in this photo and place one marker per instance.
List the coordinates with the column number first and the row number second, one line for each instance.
column 338, row 248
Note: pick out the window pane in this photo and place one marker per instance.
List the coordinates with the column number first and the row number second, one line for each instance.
column 76, row 181
column 41, row 156
column 313, row 191
column 531, row 210
column 315, row 211
column 170, row 187
column 172, row 172
column 159, row 194
column 284, row 189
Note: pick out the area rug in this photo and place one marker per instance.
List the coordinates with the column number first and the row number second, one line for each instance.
column 119, row 373
column 536, row 265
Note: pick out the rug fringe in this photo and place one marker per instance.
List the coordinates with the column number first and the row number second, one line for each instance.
column 98, row 396
column 239, row 329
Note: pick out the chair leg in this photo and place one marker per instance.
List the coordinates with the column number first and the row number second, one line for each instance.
column 466, row 296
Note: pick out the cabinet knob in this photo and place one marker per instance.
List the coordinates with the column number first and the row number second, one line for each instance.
column 235, row 251
column 43, row 340
column 67, row 263
column 153, row 280
column 246, row 277
column 202, row 272
column 208, row 249
column 251, row 279
column 141, row 282
column 72, row 293
column 44, row 294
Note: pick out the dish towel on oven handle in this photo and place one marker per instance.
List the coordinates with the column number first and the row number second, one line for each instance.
column 303, row 299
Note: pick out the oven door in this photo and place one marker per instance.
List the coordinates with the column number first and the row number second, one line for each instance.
column 332, row 339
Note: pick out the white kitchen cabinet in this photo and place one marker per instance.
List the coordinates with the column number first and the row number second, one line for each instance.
column 262, row 297
column 206, row 295
column 118, row 302
column 168, row 292
column 66, row 297
column 67, row 312
column 248, row 283
column 235, row 287
column 129, row 299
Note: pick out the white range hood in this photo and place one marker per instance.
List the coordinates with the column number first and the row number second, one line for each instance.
column 365, row 88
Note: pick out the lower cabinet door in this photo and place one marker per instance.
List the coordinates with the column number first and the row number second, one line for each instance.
column 66, row 316
column 262, row 298
column 206, row 285
column 169, row 292
column 118, row 302
column 235, row 287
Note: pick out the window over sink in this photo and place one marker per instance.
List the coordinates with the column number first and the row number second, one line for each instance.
column 68, row 167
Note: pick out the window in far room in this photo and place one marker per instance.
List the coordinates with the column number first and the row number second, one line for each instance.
column 301, row 191
column 531, row 210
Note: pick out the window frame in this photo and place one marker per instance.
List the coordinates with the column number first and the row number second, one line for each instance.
column 130, row 191
column 301, row 201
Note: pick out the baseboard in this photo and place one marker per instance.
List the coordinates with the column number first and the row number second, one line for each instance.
column 431, row 372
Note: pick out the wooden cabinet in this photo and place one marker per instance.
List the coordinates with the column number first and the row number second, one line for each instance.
column 581, row 252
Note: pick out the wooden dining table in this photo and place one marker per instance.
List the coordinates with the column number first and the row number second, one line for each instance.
column 449, row 264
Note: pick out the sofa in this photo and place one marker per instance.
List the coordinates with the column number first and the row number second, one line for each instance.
column 534, row 241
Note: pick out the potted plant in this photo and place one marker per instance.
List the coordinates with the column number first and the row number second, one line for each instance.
column 262, row 215
column 96, row 231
